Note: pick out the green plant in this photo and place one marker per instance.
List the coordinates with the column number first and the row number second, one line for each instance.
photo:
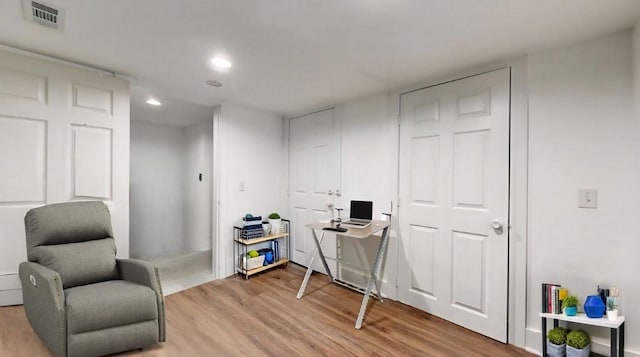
column 274, row 216
column 570, row 301
column 578, row 339
column 558, row 336
column 611, row 304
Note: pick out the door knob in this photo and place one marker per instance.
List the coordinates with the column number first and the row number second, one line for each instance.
column 330, row 193
column 496, row 224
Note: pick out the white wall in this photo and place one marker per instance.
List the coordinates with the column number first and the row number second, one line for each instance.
column 583, row 135
column 252, row 150
column 157, row 175
column 636, row 81
column 198, row 194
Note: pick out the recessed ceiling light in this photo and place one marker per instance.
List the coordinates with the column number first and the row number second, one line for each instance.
column 221, row 63
column 213, row 83
column 153, row 101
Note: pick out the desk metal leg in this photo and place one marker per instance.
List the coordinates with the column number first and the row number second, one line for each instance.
column 614, row 342
column 621, row 338
column 320, row 254
column 373, row 279
column 544, row 337
column 316, row 251
column 384, row 242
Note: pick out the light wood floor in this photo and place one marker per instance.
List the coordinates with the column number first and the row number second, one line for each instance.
column 261, row 316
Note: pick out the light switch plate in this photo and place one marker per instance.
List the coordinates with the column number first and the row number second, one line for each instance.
column 588, row 198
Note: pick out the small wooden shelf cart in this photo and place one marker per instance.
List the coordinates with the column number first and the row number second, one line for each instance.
column 247, row 266
column 616, row 326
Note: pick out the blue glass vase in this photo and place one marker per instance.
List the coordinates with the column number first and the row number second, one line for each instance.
column 593, row 306
column 268, row 257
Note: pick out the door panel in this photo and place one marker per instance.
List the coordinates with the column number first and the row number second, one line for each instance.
column 92, row 148
column 314, row 164
column 421, row 243
column 22, row 160
column 424, row 169
column 469, row 162
column 454, row 150
column 468, row 271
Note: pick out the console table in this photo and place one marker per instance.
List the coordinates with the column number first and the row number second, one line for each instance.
column 616, row 326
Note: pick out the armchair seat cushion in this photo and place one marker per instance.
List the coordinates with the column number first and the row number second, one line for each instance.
column 108, row 304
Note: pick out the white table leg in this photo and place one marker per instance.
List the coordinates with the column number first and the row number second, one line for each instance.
column 316, row 251
column 373, row 279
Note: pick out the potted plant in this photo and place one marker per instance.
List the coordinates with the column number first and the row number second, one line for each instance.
column 556, row 342
column 570, row 305
column 612, row 309
column 578, row 344
column 275, row 221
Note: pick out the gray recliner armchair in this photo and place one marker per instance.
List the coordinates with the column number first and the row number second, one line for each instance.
column 79, row 299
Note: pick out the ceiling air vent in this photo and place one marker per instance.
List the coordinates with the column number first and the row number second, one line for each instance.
column 43, row 14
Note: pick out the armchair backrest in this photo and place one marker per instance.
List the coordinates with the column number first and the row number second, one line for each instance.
column 75, row 239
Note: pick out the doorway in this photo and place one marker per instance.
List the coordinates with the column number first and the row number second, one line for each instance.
column 171, row 190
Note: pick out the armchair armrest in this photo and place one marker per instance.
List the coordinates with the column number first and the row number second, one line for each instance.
column 44, row 304
column 141, row 272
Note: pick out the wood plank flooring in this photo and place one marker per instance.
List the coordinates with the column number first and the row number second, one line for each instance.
column 262, row 317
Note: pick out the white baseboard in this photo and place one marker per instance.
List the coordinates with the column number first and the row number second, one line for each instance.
column 9, row 281
column 10, row 289
column 10, row 297
column 599, row 345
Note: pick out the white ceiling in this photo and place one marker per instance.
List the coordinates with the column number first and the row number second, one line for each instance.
column 175, row 111
column 292, row 56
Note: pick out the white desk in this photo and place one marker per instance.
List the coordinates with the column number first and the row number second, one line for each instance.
column 357, row 233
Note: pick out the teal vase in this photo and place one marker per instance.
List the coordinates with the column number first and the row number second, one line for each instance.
column 570, row 311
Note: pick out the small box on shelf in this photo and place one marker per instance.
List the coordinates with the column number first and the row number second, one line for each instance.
column 248, row 263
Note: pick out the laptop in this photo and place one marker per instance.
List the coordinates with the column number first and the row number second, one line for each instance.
column 360, row 214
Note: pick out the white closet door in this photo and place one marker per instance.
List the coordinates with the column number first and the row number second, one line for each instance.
column 64, row 136
column 454, row 195
column 314, row 164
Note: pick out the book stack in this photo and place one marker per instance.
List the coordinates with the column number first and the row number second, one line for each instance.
column 275, row 246
column 251, row 227
column 552, row 296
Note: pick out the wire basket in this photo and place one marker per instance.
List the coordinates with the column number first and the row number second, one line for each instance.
column 251, row 233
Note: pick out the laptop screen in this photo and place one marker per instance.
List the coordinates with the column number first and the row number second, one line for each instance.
column 361, row 210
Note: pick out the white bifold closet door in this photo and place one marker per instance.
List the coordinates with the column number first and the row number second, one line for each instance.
column 64, row 136
column 454, row 200
column 314, row 176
